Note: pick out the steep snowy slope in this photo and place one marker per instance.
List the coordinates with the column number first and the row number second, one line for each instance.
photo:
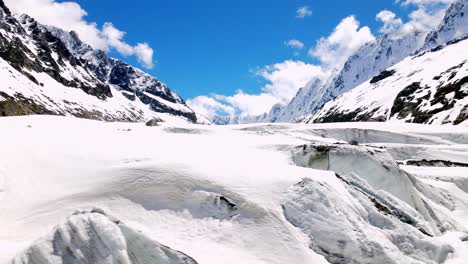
column 67, row 77
column 369, row 61
column 431, row 88
column 454, row 26
column 233, row 194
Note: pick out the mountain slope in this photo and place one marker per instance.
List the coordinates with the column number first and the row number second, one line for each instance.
column 369, row 61
column 366, row 62
column 452, row 27
column 431, row 88
column 49, row 71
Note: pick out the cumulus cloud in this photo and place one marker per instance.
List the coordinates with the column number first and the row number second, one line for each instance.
column 70, row 16
column 209, row 106
column 348, row 36
column 425, row 2
column 303, row 11
column 283, row 81
column 249, row 104
column 426, row 17
column 144, row 54
column 390, row 22
column 286, row 78
column 294, row 43
column 423, row 20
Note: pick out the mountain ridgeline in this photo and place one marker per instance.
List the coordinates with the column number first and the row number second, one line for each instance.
column 49, row 71
column 376, row 59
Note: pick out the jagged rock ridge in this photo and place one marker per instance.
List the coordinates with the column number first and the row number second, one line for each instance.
column 41, row 63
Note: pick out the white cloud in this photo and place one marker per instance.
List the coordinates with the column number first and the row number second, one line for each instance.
column 303, row 11
column 70, row 16
column 144, row 54
column 209, row 106
column 423, row 20
column 426, row 17
column 425, row 2
column 294, row 43
column 390, row 22
column 249, row 104
column 334, row 50
column 283, row 81
column 286, row 78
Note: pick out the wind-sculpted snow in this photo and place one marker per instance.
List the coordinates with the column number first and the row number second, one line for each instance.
column 230, row 194
column 375, row 167
column 90, row 237
column 377, row 136
column 377, row 214
column 347, row 224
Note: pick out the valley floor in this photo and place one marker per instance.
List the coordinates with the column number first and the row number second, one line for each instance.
column 243, row 194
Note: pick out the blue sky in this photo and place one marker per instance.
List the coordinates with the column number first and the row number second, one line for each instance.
column 231, row 57
column 212, row 46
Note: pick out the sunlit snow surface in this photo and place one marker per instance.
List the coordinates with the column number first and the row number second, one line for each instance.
column 238, row 194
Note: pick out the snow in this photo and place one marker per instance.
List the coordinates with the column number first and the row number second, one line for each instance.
column 367, row 62
column 217, row 193
column 377, row 99
column 78, row 77
column 66, row 100
column 87, row 232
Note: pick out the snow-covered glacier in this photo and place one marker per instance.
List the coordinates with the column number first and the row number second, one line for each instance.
column 273, row 193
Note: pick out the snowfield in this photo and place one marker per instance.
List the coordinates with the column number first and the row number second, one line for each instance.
column 82, row 191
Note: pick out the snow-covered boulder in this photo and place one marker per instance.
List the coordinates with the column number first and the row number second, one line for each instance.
column 95, row 237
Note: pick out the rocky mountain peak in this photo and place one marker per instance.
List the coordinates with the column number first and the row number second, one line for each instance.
column 453, row 25
column 4, row 8
column 52, row 57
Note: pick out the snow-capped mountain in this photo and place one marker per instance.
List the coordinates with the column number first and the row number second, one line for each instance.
column 431, row 87
column 369, row 61
column 453, row 26
column 46, row 70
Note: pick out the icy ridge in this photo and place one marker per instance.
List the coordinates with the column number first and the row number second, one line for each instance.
column 92, row 236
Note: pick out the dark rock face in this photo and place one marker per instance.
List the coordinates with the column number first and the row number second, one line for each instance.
column 407, row 102
column 383, row 75
column 462, row 116
column 153, row 122
column 359, row 115
column 4, row 8
column 404, row 104
column 22, row 58
column 19, row 105
column 435, row 163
